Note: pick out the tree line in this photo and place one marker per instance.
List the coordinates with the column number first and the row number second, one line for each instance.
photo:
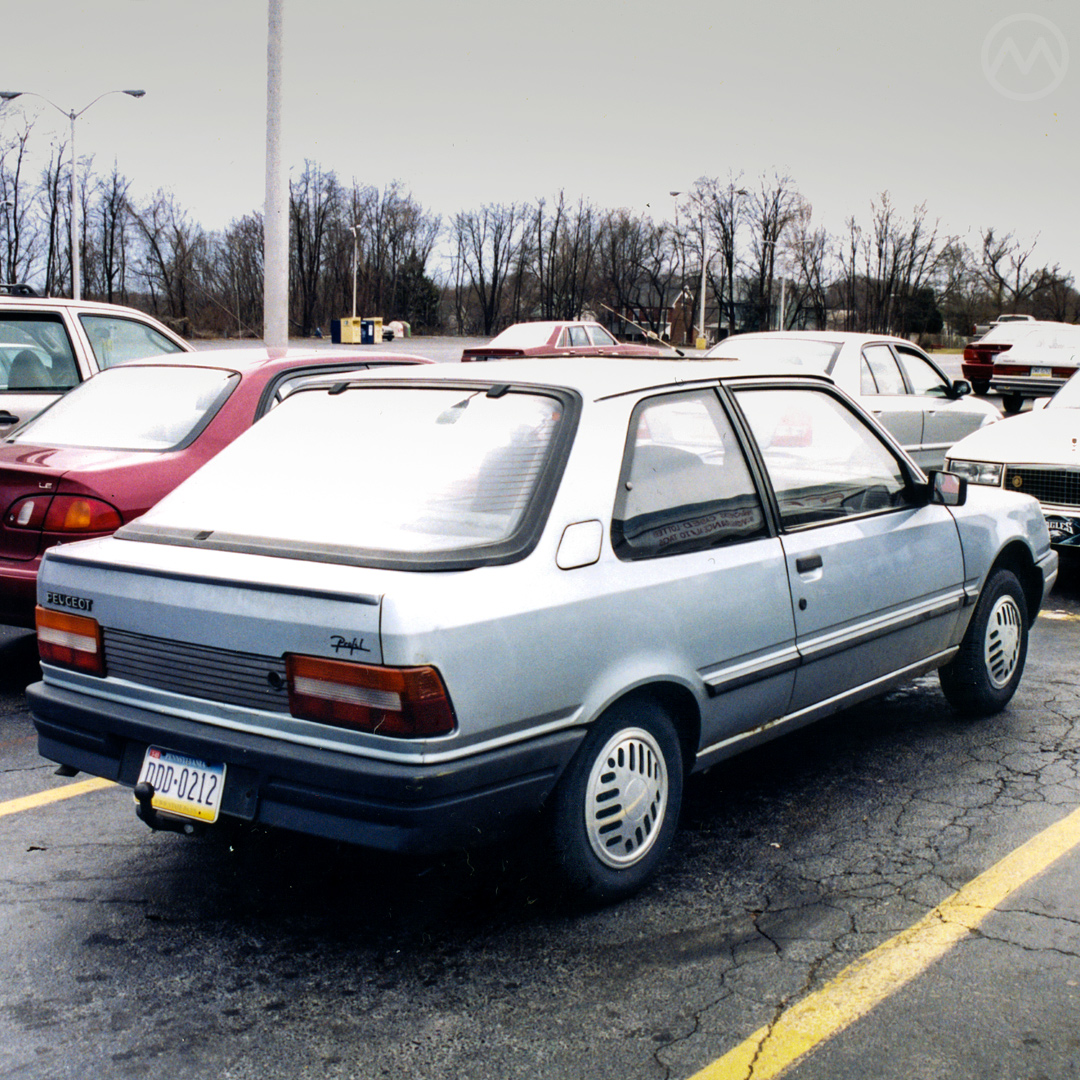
column 752, row 244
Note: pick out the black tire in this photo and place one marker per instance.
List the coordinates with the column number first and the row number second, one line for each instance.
column 980, row 386
column 1012, row 403
column 983, row 676
column 606, row 850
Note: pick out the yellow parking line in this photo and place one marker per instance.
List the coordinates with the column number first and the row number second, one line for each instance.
column 873, row 977
column 43, row 798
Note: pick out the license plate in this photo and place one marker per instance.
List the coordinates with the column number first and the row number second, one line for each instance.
column 1042, row 372
column 183, row 785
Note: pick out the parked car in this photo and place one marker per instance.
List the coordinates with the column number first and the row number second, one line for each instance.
column 107, row 451
column 581, row 338
column 1001, row 320
column 1036, row 364
column 49, row 345
column 1022, row 359
column 420, row 608
column 892, row 378
column 1037, row 453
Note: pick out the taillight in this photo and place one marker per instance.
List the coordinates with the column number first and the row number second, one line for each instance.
column 76, row 513
column 27, row 513
column 407, row 703
column 72, row 641
column 984, row 354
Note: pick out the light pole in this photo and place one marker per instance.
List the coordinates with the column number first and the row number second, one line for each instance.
column 72, row 115
column 702, row 341
column 354, row 229
column 7, row 204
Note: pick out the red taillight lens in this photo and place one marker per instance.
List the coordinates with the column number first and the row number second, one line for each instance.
column 407, row 703
column 72, row 641
column 75, row 513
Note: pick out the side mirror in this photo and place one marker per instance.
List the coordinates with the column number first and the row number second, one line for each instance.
column 947, row 489
column 961, row 388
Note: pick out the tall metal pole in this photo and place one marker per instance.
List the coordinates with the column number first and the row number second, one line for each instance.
column 701, row 311
column 76, row 254
column 276, row 211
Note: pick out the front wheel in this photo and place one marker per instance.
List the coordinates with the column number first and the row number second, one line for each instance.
column 984, row 674
column 616, row 808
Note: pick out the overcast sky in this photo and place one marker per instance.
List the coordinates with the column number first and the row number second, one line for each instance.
column 968, row 107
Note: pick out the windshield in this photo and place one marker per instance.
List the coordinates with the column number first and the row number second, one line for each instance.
column 524, row 335
column 399, row 472
column 811, row 353
column 132, row 408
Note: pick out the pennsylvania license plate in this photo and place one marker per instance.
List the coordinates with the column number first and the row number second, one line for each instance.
column 1042, row 372
column 183, row 785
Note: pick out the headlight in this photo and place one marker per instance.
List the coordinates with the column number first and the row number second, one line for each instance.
column 976, row 472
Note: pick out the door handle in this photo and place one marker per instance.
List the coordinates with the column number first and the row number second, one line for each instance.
column 7, row 418
column 805, row 563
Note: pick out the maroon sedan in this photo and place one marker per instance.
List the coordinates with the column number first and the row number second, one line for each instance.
column 108, row 450
column 558, row 339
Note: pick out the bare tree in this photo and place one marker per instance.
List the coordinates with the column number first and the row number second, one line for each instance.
column 485, row 240
column 1006, row 270
column 772, row 209
column 314, row 203
column 20, row 242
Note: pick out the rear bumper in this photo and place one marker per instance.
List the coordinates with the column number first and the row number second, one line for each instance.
column 378, row 804
column 1028, row 385
column 18, row 592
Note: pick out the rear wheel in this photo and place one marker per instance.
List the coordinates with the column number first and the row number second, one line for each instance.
column 981, row 386
column 984, row 674
column 1012, row 403
column 617, row 806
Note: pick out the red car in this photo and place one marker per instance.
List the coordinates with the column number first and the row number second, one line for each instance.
column 108, row 450
column 558, row 339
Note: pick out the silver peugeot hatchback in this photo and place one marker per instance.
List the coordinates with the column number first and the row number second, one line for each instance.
column 420, row 609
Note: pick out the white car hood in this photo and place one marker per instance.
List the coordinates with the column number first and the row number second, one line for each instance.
column 1045, row 437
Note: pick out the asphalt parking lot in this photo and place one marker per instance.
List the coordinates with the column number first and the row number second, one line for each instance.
column 126, row 953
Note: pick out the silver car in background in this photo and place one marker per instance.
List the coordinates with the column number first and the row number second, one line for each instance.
column 891, row 377
column 418, row 609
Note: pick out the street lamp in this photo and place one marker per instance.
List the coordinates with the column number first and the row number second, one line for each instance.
column 701, row 293
column 354, row 229
column 72, row 115
column 7, row 204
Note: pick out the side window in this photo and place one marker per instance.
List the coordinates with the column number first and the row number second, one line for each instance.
column 684, row 484
column 885, row 375
column 601, row 337
column 115, row 341
column 823, row 461
column 922, row 375
column 578, row 336
column 35, row 353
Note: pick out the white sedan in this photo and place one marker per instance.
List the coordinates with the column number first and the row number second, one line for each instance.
column 1037, row 453
column 922, row 408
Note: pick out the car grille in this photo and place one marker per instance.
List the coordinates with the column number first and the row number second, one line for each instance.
column 234, row 678
column 1061, row 487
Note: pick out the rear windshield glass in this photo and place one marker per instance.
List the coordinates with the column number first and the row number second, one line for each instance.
column 395, row 472
column 810, row 353
column 132, row 408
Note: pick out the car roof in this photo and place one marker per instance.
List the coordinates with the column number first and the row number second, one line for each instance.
column 249, row 359
column 31, row 303
column 838, row 336
column 592, row 377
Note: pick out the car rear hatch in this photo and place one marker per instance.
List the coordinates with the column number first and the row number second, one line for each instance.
column 201, row 625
